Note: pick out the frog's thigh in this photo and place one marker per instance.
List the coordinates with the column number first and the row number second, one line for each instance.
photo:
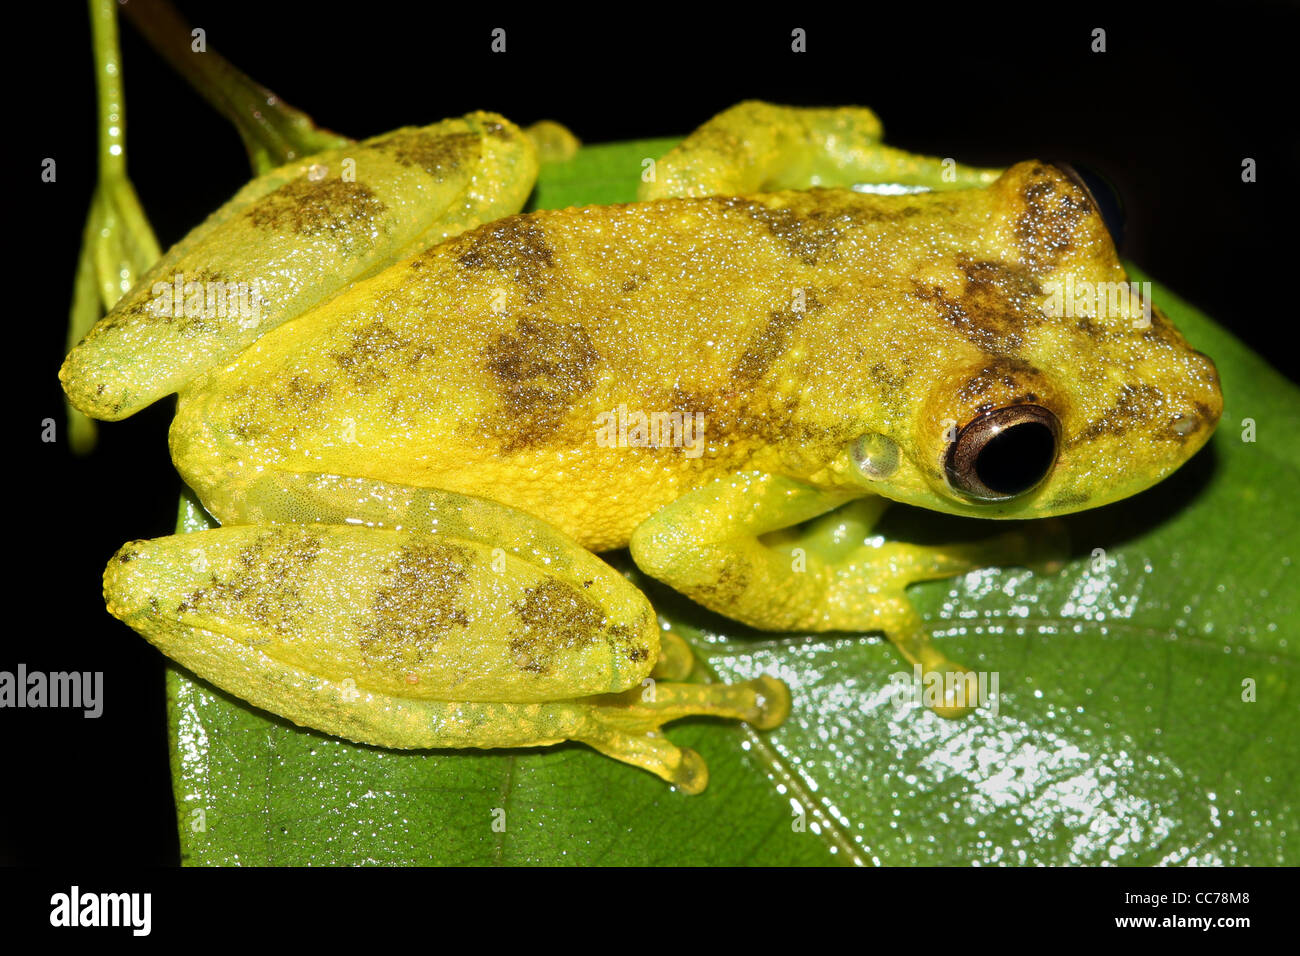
column 732, row 547
column 314, row 498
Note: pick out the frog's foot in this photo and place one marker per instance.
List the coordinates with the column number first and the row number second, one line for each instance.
column 675, row 658
column 626, row 726
column 1040, row 545
column 888, row 570
column 760, row 147
column 869, row 584
column 554, row 142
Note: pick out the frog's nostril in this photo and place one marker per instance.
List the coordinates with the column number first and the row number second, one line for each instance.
column 1103, row 194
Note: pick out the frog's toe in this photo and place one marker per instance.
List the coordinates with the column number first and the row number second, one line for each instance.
column 958, row 690
column 954, row 712
column 691, row 774
column 675, row 658
column 626, row 726
column 960, row 698
column 773, row 702
column 683, row 767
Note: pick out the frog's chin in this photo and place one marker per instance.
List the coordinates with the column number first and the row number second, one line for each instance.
column 1034, row 504
column 1049, row 500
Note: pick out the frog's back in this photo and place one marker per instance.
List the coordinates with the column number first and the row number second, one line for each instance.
column 515, row 361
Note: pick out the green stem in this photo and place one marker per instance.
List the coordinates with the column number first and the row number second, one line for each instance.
column 124, row 245
column 118, row 244
column 108, row 80
column 84, row 314
column 273, row 132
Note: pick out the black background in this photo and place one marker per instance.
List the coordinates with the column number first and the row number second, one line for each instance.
column 1167, row 113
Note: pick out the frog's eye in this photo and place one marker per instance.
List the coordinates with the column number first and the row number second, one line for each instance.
column 1004, row 452
column 1103, row 194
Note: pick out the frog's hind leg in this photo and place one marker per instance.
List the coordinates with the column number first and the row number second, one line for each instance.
column 625, row 723
column 258, row 262
column 626, row 726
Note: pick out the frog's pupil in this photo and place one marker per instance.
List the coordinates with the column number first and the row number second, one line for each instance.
column 1016, row 458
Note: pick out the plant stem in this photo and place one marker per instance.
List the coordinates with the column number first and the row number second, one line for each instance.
column 273, row 132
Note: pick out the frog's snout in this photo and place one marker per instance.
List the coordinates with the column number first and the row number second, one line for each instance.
column 1204, row 403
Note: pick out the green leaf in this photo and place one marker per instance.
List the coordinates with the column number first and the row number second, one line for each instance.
column 1120, row 734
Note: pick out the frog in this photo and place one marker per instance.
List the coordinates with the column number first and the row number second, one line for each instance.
column 446, row 408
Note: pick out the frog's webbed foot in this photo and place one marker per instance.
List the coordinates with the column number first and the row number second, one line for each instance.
column 734, row 547
column 761, row 147
column 626, row 726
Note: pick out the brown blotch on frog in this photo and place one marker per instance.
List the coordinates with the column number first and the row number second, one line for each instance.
column 995, row 309
column 345, row 210
column 437, row 155
column 554, row 619
column 1053, row 211
column 539, row 370
column 1137, row 403
column 263, row 584
column 416, row 606
column 515, row 246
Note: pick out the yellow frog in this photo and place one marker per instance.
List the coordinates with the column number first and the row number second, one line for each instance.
column 420, row 414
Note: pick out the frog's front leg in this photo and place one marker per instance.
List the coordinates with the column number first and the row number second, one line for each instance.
column 731, row 545
column 421, row 619
column 762, row 147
